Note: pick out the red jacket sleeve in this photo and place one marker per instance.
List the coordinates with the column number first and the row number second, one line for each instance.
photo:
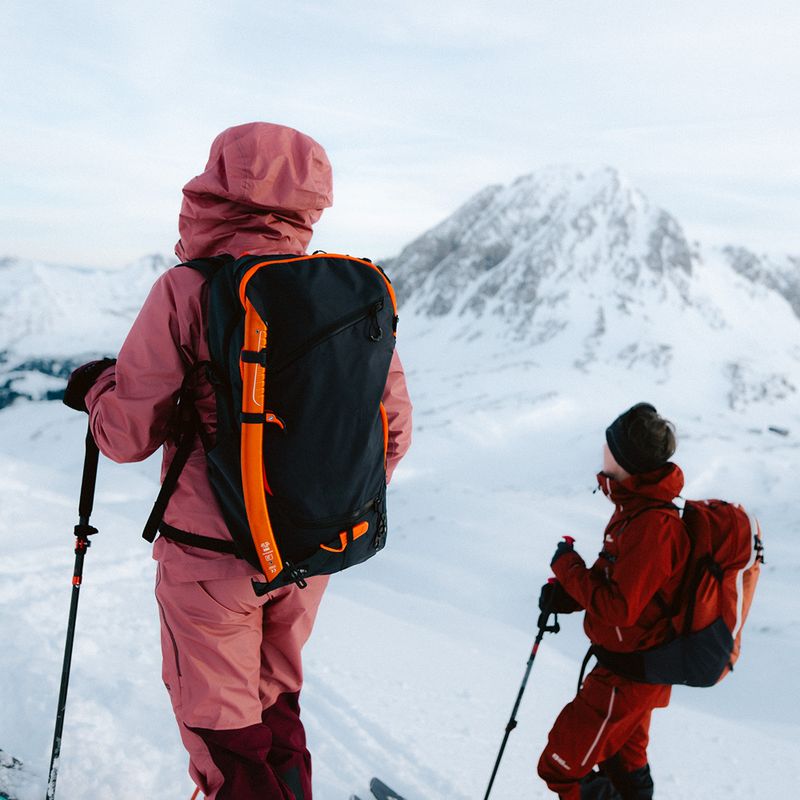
column 131, row 404
column 618, row 593
column 398, row 411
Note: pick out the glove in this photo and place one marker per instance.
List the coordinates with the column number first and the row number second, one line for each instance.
column 566, row 545
column 554, row 599
column 81, row 380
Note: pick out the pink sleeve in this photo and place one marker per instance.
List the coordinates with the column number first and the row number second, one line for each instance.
column 131, row 404
column 398, row 410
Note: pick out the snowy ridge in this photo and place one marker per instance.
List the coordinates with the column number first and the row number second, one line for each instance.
column 53, row 318
column 582, row 270
column 572, row 268
column 512, row 250
column 781, row 275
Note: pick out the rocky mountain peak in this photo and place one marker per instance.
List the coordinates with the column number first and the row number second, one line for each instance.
column 512, row 248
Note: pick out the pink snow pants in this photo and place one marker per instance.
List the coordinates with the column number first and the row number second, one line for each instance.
column 232, row 667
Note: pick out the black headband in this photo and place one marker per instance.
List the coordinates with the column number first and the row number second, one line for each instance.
column 625, row 451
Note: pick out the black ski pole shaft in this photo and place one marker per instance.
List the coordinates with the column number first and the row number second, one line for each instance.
column 82, row 532
column 512, row 722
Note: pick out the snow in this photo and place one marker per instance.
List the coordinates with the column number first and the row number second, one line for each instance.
column 417, row 656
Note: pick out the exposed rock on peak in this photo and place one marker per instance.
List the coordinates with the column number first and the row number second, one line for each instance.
column 510, row 250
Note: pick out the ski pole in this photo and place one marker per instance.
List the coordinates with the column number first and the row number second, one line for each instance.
column 83, row 530
column 512, row 722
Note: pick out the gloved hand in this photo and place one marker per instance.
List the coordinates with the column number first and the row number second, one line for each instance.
column 81, row 380
column 566, row 545
column 554, row 598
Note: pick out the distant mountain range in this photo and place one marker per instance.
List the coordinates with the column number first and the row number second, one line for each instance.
column 54, row 317
column 579, row 268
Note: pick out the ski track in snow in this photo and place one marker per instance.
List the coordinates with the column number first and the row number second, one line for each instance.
column 417, row 656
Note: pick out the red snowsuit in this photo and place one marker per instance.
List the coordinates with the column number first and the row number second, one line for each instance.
column 231, row 660
column 643, row 553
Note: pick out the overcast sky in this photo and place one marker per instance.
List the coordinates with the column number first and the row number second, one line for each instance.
column 109, row 108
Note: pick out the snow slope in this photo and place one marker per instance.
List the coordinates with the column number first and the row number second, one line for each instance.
column 54, row 317
column 417, row 656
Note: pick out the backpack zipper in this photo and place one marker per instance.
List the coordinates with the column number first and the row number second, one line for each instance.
column 332, row 521
column 335, row 328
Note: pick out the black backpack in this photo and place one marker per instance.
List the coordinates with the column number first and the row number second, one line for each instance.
column 300, row 350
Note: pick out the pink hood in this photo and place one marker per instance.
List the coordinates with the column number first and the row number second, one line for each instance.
column 262, row 190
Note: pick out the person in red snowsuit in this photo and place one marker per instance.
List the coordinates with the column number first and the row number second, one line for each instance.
column 231, row 660
column 624, row 593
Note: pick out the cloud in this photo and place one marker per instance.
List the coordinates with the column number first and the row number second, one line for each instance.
column 113, row 108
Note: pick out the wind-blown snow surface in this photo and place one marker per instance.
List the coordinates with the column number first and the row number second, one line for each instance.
column 417, row 656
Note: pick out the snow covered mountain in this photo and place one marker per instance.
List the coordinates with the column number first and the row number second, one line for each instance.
column 513, row 251
column 582, row 270
column 54, row 317
column 780, row 275
column 569, row 268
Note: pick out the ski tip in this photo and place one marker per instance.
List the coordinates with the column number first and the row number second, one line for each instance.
column 383, row 792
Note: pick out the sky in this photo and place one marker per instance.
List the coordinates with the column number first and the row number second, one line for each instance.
column 108, row 108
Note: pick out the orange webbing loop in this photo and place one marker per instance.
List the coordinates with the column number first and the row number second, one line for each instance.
column 253, row 385
column 340, row 549
column 196, row 793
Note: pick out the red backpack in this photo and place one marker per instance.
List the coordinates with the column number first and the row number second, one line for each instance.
column 711, row 605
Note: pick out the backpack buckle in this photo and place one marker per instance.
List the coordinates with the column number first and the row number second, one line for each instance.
column 297, row 574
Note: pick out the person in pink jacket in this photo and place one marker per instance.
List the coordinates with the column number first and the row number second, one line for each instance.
column 231, row 660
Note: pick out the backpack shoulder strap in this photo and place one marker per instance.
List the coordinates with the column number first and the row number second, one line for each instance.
column 188, row 427
column 665, row 507
column 207, row 267
column 188, row 420
column 668, row 611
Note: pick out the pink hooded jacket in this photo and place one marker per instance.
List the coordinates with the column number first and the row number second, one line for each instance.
column 262, row 190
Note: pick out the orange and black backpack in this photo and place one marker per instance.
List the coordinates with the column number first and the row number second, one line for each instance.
column 711, row 605
column 300, row 351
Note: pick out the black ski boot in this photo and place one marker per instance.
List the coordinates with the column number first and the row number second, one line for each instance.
column 597, row 786
column 635, row 785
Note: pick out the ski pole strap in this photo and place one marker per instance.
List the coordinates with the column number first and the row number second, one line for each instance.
column 196, row 540
column 89, row 479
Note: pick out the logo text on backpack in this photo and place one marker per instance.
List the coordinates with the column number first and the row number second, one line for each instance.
column 269, row 556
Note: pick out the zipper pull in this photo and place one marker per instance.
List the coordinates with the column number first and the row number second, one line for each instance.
column 376, row 332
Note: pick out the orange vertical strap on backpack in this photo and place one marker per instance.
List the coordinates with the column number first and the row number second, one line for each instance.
column 253, row 379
